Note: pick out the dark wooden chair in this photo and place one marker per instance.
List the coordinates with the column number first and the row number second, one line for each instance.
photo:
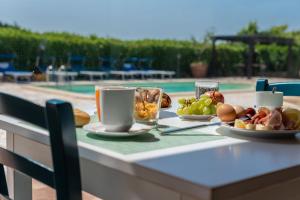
column 291, row 88
column 57, row 117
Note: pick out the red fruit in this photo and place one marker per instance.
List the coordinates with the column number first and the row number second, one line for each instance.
column 250, row 111
column 215, row 96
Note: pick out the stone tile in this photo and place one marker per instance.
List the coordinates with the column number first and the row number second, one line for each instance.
column 43, row 192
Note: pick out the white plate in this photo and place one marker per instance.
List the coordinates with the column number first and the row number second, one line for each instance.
column 98, row 128
column 196, row 117
column 260, row 133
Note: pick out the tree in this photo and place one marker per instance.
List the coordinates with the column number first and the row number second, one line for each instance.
column 250, row 29
column 280, row 30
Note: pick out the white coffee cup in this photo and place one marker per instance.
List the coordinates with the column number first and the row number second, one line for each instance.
column 269, row 99
column 117, row 108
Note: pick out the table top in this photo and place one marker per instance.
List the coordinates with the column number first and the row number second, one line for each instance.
column 216, row 162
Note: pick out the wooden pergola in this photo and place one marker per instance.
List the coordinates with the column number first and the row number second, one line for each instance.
column 251, row 41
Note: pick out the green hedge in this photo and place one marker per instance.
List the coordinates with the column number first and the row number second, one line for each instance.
column 25, row 45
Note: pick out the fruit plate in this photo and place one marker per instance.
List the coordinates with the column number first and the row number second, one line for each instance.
column 260, row 133
column 196, row 117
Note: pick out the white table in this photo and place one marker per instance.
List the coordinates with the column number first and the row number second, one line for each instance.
column 231, row 168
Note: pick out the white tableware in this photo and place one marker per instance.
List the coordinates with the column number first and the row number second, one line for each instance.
column 196, row 117
column 203, row 86
column 99, row 129
column 269, row 99
column 260, row 133
column 116, row 107
column 148, row 101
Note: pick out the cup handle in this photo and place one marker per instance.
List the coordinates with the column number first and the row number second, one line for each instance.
column 97, row 95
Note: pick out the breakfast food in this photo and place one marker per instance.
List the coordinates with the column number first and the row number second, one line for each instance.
column 226, row 113
column 205, row 105
column 240, row 110
column 263, row 120
column 291, row 118
column 165, row 101
column 81, row 118
column 147, row 102
column 216, row 96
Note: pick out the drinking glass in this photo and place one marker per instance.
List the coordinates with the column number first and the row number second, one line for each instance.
column 204, row 86
column 147, row 104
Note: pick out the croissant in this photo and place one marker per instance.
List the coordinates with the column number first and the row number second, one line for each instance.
column 81, row 118
column 166, row 101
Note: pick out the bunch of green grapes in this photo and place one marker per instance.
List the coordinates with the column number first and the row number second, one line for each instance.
column 193, row 106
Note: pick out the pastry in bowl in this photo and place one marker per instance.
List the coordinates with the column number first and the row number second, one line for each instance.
column 147, row 104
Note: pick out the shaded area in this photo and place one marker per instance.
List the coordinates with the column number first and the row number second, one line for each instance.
column 251, row 41
column 148, row 142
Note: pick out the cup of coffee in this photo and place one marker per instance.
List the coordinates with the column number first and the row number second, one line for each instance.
column 115, row 107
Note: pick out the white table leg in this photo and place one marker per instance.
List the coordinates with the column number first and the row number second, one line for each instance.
column 20, row 186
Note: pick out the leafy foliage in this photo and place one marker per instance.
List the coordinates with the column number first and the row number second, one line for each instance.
column 27, row 44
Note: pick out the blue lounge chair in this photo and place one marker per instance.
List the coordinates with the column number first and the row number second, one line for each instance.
column 43, row 63
column 288, row 88
column 76, row 63
column 66, row 73
column 102, row 71
column 128, row 69
column 8, row 69
column 107, row 64
column 146, row 65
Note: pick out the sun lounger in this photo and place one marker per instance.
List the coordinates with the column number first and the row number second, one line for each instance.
column 164, row 74
column 19, row 75
column 93, row 74
column 8, row 70
column 122, row 74
column 161, row 73
column 61, row 75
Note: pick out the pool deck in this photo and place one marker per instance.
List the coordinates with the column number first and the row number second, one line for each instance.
column 40, row 95
column 86, row 102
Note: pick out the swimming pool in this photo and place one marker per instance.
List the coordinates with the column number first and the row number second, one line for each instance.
column 168, row 87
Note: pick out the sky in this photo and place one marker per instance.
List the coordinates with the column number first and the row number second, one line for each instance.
column 159, row 19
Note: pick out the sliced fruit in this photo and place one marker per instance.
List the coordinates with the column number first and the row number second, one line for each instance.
column 261, row 127
column 239, row 123
column 292, row 116
column 250, row 126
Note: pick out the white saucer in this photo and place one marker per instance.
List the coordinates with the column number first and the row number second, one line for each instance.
column 98, row 128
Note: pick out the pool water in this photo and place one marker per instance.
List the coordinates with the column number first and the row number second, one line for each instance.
column 168, row 87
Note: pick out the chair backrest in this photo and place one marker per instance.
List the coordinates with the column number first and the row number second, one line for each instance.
column 57, row 117
column 107, row 63
column 76, row 62
column 6, row 62
column 145, row 63
column 288, row 88
column 130, row 63
column 43, row 62
column 6, row 66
